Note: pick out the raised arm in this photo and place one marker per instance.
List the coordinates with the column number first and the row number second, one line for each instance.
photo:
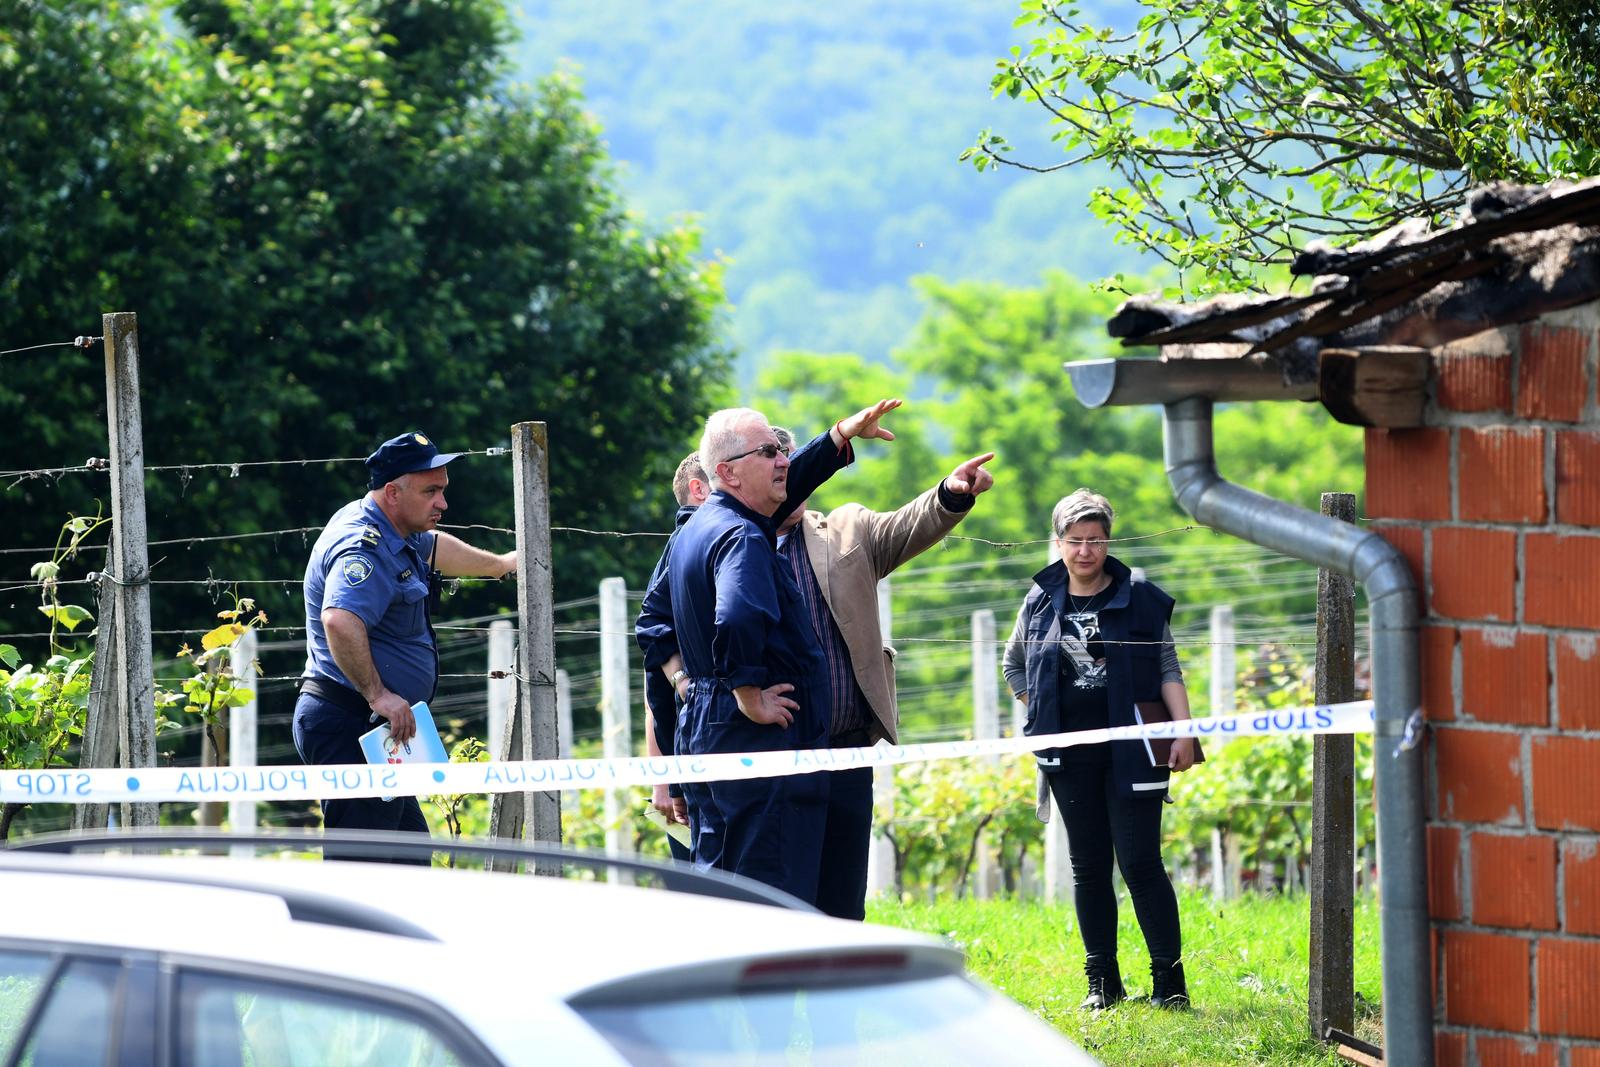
column 826, row 454
column 893, row 537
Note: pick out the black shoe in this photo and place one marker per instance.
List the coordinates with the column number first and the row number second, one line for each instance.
column 1105, row 983
column 1167, row 986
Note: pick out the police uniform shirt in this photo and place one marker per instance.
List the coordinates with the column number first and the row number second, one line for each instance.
column 361, row 564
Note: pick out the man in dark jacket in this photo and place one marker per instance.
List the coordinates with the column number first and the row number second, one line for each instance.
column 751, row 677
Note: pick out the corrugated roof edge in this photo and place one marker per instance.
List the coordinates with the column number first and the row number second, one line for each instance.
column 1516, row 253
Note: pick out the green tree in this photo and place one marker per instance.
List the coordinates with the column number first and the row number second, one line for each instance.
column 1215, row 114
column 1562, row 91
column 986, row 361
column 336, row 223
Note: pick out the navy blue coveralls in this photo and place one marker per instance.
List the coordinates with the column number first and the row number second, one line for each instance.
column 361, row 564
column 728, row 604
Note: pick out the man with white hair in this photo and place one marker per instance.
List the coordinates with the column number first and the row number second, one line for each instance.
column 752, row 678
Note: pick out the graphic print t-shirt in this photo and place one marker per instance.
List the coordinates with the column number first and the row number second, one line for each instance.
column 1083, row 683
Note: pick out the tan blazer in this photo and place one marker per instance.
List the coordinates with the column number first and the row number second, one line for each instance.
column 850, row 548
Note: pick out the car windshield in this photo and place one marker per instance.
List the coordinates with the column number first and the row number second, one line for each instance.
column 923, row 1022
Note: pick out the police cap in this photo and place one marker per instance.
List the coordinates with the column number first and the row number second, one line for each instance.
column 402, row 455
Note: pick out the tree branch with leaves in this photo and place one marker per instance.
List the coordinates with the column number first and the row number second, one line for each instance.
column 1240, row 132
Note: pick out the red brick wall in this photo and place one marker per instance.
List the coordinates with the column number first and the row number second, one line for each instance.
column 1496, row 505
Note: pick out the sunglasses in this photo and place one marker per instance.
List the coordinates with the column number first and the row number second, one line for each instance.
column 766, row 451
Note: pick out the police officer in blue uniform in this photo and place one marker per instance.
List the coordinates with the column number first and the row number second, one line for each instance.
column 751, row 674
column 372, row 581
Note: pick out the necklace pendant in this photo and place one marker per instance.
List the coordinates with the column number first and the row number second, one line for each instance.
column 1088, row 604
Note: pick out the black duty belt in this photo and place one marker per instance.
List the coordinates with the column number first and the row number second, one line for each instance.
column 340, row 696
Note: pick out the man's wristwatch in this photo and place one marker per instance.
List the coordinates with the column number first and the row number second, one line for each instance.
column 677, row 676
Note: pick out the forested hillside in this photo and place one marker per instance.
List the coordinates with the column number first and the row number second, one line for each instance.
column 818, row 143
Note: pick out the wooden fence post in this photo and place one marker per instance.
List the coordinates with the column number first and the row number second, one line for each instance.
column 1219, row 870
column 564, row 713
column 1224, row 701
column 531, row 732
column 1332, row 995
column 536, row 673
column 616, row 737
column 502, row 657
column 508, row 812
column 1224, row 661
column 128, row 560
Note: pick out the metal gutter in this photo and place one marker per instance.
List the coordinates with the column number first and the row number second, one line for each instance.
column 1101, row 382
column 1188, row 390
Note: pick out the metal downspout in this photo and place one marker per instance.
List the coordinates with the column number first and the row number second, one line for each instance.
column 1393, row 609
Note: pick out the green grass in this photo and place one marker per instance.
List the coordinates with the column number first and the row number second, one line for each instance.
column 1246, row 963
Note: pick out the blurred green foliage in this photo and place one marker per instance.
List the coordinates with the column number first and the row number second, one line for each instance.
column 336, row 222
column 42, row 710
column 817, row 143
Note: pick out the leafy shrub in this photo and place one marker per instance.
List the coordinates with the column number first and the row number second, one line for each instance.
column 42, row 712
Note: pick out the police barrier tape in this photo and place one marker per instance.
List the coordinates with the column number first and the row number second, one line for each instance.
column 296, row 782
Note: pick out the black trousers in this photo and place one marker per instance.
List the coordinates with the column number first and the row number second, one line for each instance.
column 846, row 845
column 1101, row 826
column 325, row 733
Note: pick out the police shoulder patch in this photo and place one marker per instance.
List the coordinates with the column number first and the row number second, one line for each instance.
column 356, row 569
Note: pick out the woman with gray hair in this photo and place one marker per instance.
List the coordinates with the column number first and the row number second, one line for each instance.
column 1089, row 643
